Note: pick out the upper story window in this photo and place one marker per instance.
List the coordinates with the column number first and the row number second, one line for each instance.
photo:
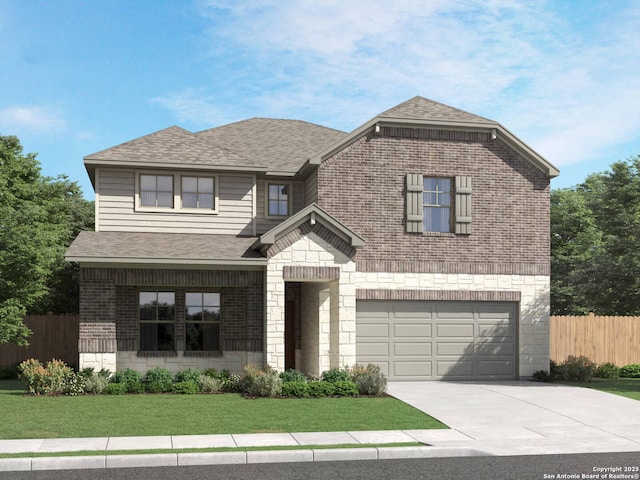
column 175, row 193
column 436, row 204
column 198, row 192
column 278, row 199
column 156, row 191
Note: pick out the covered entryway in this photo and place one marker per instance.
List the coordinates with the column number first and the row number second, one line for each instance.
column 429, row 340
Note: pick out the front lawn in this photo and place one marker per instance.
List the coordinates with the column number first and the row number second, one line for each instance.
column 165, row 414
column 627, row 387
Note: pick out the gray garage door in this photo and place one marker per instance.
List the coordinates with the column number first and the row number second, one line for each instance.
column 420, row 340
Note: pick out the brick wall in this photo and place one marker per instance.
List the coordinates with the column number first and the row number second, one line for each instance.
column 111, row 295
column 364, row 187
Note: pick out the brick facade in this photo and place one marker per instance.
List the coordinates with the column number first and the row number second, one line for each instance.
column 363, row 186
column 109, row 306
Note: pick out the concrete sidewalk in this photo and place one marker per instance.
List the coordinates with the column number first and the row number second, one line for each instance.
column 98, row 448
column 527, row 418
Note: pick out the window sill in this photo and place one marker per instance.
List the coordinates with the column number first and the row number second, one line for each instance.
column 160, row 353
column 439, row 234
column 201, row 354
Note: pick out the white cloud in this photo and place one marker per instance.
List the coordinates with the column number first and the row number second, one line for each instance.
column 191, row 106
column 31, row 118
column 561, row 76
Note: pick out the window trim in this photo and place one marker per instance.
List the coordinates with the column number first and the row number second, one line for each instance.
column 289, row 186
column 177, row 193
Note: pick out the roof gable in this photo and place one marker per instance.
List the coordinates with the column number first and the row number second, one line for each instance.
column 425, row 109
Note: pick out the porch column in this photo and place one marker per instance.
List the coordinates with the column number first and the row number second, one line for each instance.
column 275, row 304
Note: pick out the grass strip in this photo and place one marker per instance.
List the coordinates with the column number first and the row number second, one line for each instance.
column 626, row 387
column 88, row 453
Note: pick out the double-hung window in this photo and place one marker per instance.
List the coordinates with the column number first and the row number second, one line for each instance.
column 436, row 204
column 202, row 321
column 278, row 199
column 198, row 192
column 156, row 191
column 157, row 314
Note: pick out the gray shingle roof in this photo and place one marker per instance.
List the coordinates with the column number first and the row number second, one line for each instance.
column 421, row 108
column 130, row 246
column 171, row 145
column 281, row 145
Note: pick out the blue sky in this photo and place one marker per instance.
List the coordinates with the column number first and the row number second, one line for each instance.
column 81, row 76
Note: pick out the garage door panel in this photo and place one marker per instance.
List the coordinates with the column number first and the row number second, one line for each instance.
column 417, row 368
column 501, row 330
column 454, row 330
column 373, row 330
column 425, row 340
column 373, row 349
column 422, row 349
column 412, row 330
column 496, row 348
column 455, row 368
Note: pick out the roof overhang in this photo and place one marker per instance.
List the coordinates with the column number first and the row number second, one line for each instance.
column 312, row 213
column 493, row 128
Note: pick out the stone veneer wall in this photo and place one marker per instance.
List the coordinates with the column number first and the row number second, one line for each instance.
column 305, row 248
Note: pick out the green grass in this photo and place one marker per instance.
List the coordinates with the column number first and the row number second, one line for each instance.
column 132, row 415
column 87, row 453
column 627, row 387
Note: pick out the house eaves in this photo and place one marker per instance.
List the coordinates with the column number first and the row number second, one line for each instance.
column 491, row 127
column 312, row 213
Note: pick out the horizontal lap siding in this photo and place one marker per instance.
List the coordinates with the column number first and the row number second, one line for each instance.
column 117, row 208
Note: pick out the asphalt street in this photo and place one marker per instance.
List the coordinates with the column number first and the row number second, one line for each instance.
column 612, row 466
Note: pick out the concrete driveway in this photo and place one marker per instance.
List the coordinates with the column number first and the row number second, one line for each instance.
column 521, row 418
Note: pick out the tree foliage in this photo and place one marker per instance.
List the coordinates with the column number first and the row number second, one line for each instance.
column 595, row 244
column 35, row 227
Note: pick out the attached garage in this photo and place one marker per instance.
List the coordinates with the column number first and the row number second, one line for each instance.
column 431, row 340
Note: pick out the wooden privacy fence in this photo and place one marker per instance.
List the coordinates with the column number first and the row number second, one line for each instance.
column 601, row 339
column 54, row 336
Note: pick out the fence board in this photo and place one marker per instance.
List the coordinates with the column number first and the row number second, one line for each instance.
column 54, row 336
column 602, row 339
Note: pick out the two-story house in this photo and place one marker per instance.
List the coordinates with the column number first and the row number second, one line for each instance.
column 418, row 241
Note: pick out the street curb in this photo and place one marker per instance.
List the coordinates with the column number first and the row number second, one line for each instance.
column 233, row 458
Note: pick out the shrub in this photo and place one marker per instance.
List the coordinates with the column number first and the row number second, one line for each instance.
column 229, row 382
column 208, row 384
column 607, row 370
column 370, row 379
column 8, row 373
column 74, row 384
column 95, row 384
column 115, row 389
column 293, row 375
column 187, row 387
column 189, row 374
column 261, row 383
column 630, row 371
column 158, row 380
column 576, row 369
column 46, row 380
column 321, row 389
column 131, row 379
column 335, row 375
column 345, row 388
column 542, row 376
column 296, row 389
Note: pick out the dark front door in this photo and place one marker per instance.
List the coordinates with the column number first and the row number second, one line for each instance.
column 290, row 335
